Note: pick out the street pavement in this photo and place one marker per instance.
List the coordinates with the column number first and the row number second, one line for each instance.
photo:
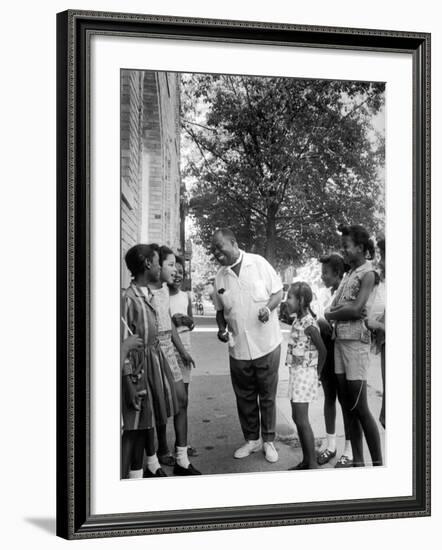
column 214, row 428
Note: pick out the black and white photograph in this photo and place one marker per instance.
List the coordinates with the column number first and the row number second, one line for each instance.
column 229, row 193
column 253, row 274
column 200, row 202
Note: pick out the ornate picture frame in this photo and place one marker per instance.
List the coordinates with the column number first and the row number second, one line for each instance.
column 75, row 519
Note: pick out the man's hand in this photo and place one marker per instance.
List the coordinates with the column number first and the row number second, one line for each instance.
column 223, row 335
column 264, row 314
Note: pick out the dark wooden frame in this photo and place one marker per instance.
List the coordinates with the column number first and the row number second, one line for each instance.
column 74, row 520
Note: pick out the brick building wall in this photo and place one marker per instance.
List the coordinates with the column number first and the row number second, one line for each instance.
column 130, row 124
column 150, row 160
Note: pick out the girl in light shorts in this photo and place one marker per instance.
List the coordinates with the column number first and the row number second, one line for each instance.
column 352, row 340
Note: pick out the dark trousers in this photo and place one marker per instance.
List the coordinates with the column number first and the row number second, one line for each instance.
column 254, row 383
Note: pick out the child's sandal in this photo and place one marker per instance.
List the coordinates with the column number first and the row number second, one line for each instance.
column 325, row 456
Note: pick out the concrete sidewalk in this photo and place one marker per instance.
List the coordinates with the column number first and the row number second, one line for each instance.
column 214, row 429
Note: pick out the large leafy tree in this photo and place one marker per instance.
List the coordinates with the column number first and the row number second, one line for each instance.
column 282, row 161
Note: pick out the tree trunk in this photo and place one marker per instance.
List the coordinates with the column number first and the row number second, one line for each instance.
column 270, row 246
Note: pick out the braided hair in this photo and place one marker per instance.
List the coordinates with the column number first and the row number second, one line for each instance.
column 303, row 293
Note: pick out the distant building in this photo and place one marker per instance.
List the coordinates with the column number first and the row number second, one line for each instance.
column 151, row 184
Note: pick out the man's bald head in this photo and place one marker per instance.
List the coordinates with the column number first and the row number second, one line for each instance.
column 225, row 232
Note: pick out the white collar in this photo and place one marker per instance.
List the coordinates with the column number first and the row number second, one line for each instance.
column 239, row 260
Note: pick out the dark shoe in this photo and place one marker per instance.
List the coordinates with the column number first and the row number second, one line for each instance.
column 166, row 460
column 344, row 462
column 300, row 466
column 325, row 456
column 189, row 471
column 159, row 473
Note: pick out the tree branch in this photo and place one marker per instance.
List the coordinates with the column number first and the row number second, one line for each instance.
column 200, row 125
column 201, row 146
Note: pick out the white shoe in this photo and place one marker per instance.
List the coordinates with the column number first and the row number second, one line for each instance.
column 270, row 453
column 251, row 446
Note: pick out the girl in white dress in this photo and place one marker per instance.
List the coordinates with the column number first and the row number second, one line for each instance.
column 181, row 312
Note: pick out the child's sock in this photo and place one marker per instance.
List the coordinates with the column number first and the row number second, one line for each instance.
column 153, row 464
column 331, row 442
column 348, row 450
column 181, row 456
column 136, row 474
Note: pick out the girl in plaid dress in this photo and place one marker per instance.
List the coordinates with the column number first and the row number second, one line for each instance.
column 306, row 354
column 148, row 390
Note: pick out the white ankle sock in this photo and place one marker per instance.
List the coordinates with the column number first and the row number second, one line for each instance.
column 331, row 442
column 348, row 450
column 181, row 457
column 153, row 464
column 136, row 474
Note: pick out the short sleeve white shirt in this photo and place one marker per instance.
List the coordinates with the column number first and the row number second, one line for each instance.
column 240, row 297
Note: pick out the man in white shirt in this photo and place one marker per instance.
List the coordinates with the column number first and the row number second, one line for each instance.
column 247, row 291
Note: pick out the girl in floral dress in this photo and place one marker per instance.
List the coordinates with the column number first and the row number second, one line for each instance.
column 306, row 354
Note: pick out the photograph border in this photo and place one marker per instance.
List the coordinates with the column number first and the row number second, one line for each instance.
column 74, row 32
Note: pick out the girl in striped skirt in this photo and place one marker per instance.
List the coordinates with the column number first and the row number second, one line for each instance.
column 172, row 347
